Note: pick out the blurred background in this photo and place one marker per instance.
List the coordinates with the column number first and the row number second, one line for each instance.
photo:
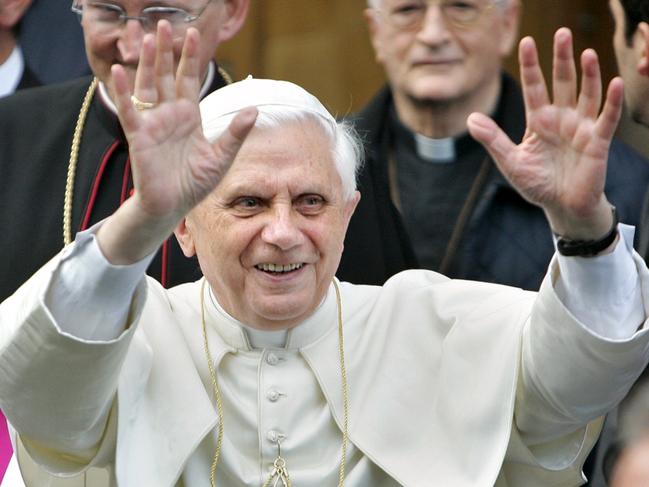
column 322, row 45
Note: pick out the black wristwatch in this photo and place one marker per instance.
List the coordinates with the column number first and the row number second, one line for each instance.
column 588, row 248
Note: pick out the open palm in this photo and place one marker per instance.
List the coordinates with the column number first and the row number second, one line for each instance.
column 560, row 164
column 174, row 166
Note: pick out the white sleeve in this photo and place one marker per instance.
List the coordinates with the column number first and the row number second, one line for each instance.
column 84, row 275
column 604, row 292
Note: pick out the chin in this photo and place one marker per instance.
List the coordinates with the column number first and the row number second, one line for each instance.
column 281, row 313
column 434, row 90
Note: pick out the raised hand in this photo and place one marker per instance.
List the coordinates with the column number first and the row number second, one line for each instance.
column 174, row 166
column 560, row 164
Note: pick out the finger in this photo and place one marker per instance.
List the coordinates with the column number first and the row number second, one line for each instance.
column 228, row 144
column 607, row 121
column 535, row 92
column 494, row 140
column 564, row 73
column 164, row 62
column 128, row 116
column 188, row 81
column 145, row 85
column 590, row 97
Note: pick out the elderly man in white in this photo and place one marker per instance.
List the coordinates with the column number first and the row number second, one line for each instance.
column 269, row 371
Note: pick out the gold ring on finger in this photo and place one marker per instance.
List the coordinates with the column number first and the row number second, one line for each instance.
column 141, row 105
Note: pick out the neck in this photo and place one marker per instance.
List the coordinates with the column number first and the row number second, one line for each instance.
column 445, row 118
column 7, row 44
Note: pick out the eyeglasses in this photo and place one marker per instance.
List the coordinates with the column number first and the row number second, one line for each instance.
column 410, row 14
column 109, row 16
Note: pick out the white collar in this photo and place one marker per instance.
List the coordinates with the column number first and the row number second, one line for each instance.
column 242, row 337
column 435, row 150
column 209, row 79
column 11, row 71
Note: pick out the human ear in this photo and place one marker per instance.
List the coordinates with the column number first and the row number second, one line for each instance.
column 642, row 36
column 235, row 16
column 183, row 232
column 510, row 22
column 350, row 206
column 373, row 27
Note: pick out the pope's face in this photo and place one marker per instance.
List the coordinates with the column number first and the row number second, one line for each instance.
column 270, row 237
column 437, row 61
column 108, row 44
column 632, row 64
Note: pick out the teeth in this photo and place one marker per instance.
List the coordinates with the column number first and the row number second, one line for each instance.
column 278, row 267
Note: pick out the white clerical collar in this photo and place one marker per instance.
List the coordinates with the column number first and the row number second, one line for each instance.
column 11, row 71
column 435, row 150
column 241, row 336
column 209, row 79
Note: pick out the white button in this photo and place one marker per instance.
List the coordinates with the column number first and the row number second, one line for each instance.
column 272, row 359
column 272, row 436
column 272, row 395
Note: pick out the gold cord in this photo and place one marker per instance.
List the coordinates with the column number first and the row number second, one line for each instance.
column 72, row 165
column 215, row 388
column 279, row 470
column 343, row 378
column 225, row 75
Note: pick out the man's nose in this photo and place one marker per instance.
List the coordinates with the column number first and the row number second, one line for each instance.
column 434, row 28
column 282, row 229
column 130, row 41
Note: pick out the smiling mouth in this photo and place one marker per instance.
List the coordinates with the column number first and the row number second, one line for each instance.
column 279, row 268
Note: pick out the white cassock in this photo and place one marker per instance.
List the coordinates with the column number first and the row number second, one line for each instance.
column 451, row 383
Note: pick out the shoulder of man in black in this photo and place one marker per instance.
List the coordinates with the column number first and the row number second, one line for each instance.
column 28, row 79
column 48, row 101
column 38, row 117
column 37, row 126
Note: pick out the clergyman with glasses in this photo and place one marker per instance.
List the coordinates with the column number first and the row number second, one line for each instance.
column 64, row 161
column 64, row 158
column 432, row 197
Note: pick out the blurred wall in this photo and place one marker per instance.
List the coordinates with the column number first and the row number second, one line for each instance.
column 319, row 44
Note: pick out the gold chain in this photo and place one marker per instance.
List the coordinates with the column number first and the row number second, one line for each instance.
column 72, row 165
column 225, row 75
column 283, row 473
column 74, row 154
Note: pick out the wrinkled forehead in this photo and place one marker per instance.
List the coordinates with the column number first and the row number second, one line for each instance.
column 293, row 147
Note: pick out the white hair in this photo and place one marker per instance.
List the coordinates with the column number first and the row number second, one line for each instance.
column 346, row 146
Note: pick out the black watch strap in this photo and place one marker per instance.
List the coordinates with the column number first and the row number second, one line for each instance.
column 588, row 248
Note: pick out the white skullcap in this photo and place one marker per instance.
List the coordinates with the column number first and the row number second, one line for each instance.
column 220, row 107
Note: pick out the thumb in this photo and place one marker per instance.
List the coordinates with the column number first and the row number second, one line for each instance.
column 208, row 167
column 232, row 139
column 495, row 141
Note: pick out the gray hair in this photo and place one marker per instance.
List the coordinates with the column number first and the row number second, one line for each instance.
column 346, row 146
